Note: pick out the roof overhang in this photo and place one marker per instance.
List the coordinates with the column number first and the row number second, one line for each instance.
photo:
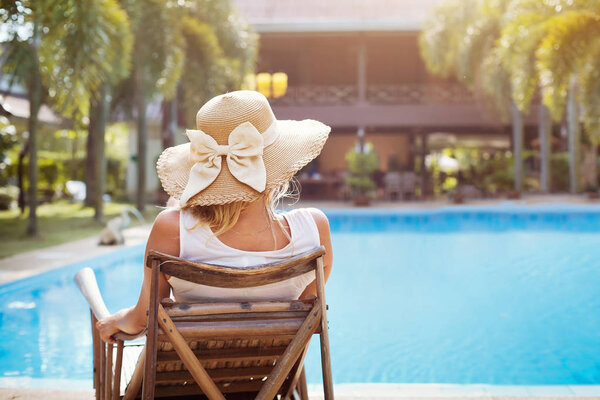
column 335, row 26
column 18, row 107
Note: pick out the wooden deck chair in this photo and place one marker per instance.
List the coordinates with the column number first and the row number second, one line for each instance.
column 218, row 349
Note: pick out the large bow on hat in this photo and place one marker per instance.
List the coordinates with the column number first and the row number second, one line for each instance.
column 244, row 153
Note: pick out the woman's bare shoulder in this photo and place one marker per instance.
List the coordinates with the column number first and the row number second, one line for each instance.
column 320, row 219
column 167, row 221
column 164, row 236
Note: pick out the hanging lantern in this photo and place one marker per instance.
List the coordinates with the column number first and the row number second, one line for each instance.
column 280, row 81
column 263, row 84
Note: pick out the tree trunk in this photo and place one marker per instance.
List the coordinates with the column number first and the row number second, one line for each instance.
column 517, row 128
column 169, row 124
column 590, row 167
column 34, row 106
column 22, row 154
column 545, row 132
column 142, row 136
column 422, row 166
column 90, row 161
column 574, row 138
column 99, row 153
column 594, row 175
column 35, row 98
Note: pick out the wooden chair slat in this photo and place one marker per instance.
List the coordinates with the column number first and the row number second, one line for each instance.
column 230, row 354
column 232, row 329
column 171, row 377
column 243, row 316
column 324, row 334
column 116, row 391
column 108, row 372
column 179, row 309
column 190, row 390
column 231, row 277
column 96, row 348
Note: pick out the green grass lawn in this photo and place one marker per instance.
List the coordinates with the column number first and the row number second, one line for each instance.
column 59, row 222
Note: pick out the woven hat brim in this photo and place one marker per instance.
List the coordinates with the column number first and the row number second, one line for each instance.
column 298, row 143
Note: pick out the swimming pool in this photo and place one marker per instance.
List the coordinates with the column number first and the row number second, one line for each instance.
column 467, row 295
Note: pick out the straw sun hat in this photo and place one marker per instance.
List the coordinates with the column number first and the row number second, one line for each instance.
column 238, row 151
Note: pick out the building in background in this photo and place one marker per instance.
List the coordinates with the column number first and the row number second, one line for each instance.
column 355, row 65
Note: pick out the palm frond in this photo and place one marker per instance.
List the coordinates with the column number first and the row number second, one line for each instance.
column 565, row 48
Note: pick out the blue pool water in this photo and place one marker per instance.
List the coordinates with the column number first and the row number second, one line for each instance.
column 504, row 295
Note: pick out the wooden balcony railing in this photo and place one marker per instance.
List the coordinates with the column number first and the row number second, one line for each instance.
column 312, row 95
column 339, row 95
column 419, row 93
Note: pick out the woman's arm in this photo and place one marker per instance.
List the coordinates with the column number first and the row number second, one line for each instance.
column 164, row 237
column 325, row 237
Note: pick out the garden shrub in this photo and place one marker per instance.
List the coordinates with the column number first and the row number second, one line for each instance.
column 50, row 171
column 8, row 194
column 5, row 201
column 361, row 165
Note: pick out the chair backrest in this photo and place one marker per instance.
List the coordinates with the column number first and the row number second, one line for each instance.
column 229, row 347
column 393, row 181
column 409, row 182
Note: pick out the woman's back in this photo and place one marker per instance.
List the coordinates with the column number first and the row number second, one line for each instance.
column 198, row 243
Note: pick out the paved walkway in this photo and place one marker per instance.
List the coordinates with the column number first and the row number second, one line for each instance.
column 359, row 392
column 34, row 262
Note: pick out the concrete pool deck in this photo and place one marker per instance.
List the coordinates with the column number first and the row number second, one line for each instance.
column 378, row 392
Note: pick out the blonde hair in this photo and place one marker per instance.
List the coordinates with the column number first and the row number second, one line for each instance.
column 222, row 217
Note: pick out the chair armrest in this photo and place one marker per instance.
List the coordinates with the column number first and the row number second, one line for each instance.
column 86, row 280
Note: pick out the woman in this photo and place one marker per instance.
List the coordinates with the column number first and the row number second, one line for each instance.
column 238, row 163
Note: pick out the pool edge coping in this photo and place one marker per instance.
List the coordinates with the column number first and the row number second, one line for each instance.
column 362, row 390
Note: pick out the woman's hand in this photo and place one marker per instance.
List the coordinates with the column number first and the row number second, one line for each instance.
column 107, row 328
column 126, row 321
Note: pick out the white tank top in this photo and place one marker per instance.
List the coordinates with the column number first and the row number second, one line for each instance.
column 199, row 244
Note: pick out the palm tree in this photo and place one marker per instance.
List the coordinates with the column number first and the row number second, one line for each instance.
column 552, row 46
column 157, row 60
column 460, row 39
column 220, row 51
column 45, row 52
column 103, row 26
column 568, row 61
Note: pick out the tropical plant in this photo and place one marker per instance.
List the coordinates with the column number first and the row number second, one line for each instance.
column 49, row 51
column 157, row 61
column 460, row 40
column 361, row 164
column 8, row 139
column 220, row 50
column 556, row 46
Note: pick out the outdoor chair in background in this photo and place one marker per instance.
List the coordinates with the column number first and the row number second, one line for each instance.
column 400, row 185
column 254, row 349
column 392, row 185
column 410, row 180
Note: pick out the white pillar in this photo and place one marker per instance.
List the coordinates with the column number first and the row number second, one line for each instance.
column 361, row 85
column 545, row 132
column 574, row 138
column 517, row 131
